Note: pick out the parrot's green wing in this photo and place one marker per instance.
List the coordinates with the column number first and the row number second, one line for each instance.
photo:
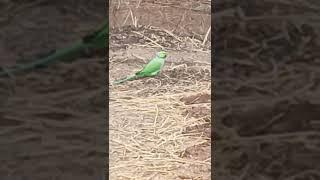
column 152, row 68
column 96, row 40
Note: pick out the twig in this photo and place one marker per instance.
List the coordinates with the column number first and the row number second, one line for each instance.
column 206, row 36
column 148, row 39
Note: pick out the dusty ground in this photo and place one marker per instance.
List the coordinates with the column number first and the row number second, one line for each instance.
column 185, row 17
column 160, row 127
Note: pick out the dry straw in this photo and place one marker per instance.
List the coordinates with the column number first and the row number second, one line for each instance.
column 151, row 129
column 149, row 126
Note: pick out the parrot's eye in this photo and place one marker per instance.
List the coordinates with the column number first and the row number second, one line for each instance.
column 162, row 54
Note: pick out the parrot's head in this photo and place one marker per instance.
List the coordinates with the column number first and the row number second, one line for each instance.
column 162, row 54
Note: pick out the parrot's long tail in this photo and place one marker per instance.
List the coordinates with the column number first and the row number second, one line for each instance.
column 129, row 78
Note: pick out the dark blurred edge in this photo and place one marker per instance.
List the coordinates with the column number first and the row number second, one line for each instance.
column 280, row 157
column 102, row 172
column 213, row 129
column 107, row 98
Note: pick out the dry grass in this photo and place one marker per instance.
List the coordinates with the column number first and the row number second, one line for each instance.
column 147, row 137
column 150, row 130
column 159, row 127
column 181, row 17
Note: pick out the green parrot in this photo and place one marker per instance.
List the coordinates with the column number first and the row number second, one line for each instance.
column 95, row 40
column 153, row 68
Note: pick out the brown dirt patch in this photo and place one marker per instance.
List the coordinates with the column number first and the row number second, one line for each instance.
column 196, row 99
column 183, row 18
